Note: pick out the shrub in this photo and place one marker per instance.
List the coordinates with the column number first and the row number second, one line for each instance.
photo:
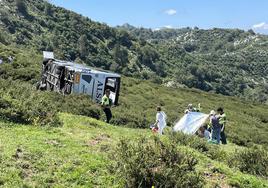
column 212, row 151
column 187, row 140
column 22, row 103
column 151, row 162
column 216, row 153
column 21, row 6
column 130, row 119
column 251, row 160
column 79, row 105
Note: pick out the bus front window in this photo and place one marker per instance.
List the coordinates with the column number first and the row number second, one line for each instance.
column 113, row 85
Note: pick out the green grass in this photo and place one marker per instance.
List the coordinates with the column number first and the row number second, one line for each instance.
column 74, row 155
column 247, row 122
column 79, row 155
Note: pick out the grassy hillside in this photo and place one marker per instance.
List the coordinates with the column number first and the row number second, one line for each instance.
column 225, row 61
column 42, row 26
column 247, row 122
column 44, row 140
column 82, row 150
column 80, row 154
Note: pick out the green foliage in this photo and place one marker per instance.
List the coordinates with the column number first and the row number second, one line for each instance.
column 229, row 63
column 147, row 163
column 21, row 6
column 226, row 61
column 199, row 144
column 82, row 46
column 71, row 36
column 22, row 103
column 251, row 160
column 188, row 140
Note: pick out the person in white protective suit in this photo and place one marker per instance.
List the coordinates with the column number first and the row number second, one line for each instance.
column 160, row 120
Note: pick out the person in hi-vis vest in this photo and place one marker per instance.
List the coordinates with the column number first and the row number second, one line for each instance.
column 106, row 104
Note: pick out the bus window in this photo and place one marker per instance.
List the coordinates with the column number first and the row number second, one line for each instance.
column 87, row 78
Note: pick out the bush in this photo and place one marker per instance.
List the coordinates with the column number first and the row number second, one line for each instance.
column 79, row 105
column 21, row 6
column 22, row 103
column 130, row 119
column 251, row 160
column 212, row 151
column 216, row 153
column 187, row 140
column 147, row 163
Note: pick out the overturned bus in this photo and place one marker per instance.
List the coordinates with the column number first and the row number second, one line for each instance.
column 68, row 77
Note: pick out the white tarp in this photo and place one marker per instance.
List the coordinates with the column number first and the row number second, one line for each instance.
column 191, row 122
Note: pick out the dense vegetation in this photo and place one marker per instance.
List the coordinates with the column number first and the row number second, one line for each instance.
column 226, row 61
column 151, row 162
column 230, row 62
column 57, row 149
column 20, row 102
column 42, row 26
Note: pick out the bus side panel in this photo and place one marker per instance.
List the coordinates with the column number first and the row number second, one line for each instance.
column 98, row 88
column 75, row 88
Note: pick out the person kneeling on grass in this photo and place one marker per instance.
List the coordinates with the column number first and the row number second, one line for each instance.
column 204, row 133
column 160, row 120
column 106, row 104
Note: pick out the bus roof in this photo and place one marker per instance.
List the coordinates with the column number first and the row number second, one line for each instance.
column 84, row 69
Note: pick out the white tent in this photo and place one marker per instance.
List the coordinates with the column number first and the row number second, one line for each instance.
column 191, row 122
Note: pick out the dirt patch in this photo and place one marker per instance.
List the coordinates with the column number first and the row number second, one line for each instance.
column 25, row 162
column 217, row 178
column 98, row 139
column 55, row 143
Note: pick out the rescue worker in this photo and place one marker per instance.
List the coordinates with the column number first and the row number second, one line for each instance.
column 106, row 104
column 160, row 120
column 222, row 120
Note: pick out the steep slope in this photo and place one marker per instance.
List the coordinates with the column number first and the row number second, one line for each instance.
column 247, row 122
column 42, row 26
column 226, row 61
column 80, row 154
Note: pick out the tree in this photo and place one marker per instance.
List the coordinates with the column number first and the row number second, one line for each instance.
column 148, row 56
column 48, row 9
column 82, row 46
column 251, row 32
column 22, row 8
column 124, row 39
column 120, row 55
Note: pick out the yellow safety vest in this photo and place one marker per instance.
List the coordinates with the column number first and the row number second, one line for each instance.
column 105, row 101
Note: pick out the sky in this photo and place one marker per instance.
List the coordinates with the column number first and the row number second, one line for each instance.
column 155, row 14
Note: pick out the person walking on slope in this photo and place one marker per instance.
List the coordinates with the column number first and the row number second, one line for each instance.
column 222, row 120
column 216, row 127
column 160, row 120
column 106, row 104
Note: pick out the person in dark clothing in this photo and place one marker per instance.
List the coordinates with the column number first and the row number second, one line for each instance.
column 216, row 128
column 222, row 120
column 106, row 104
